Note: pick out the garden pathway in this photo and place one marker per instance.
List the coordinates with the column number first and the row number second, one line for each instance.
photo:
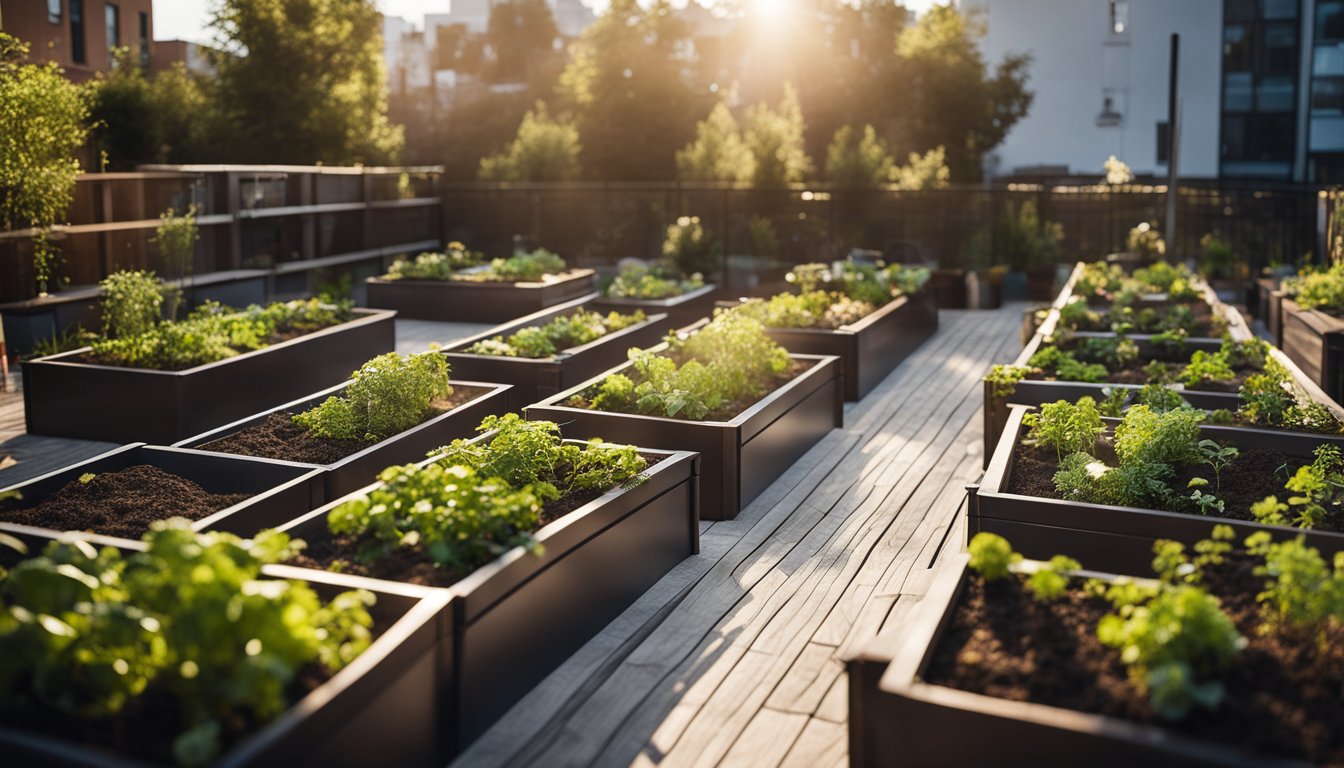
column 734, row 658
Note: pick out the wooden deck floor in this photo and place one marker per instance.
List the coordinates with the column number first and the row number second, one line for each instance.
column 735, row 657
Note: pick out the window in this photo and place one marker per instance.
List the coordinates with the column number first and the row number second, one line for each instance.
column 144, row 40
column 1280, row 9
column 54, row 11
column 1237, row 53
column 112, row 17
column 77, row 31
column 1119, row 17
column 1274, row 94
column 1240, row 10
column 1237, row 91
column 1329, row 21
column 1327, row 95
column 1279, row 53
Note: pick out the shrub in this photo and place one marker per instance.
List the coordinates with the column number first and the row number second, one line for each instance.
column 689, row 247
column 132, row 304
column 572, row 330
column 390, row 394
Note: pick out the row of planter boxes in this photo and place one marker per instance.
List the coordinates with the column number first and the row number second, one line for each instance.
column 1312, row 339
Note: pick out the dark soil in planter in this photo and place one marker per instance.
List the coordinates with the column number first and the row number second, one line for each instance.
column 408, row 564
column 123, row 503
column 1250, row 477
column 725, row 413
column 1203, row 326
column 278, row 437
column 1282, row 693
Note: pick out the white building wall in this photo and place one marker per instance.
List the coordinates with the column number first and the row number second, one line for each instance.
column 1077, row 61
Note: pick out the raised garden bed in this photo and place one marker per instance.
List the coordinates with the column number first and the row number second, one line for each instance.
column 1269, row 307
column 478, row 302
column 354, row 470
column 258, row 493
column 739, row 457
column 67, row 397
column 385, row 707
column 514, row 620
column 1120, row 539
column 681, row 310
column 1315, row 341
column 872, row 347
column 535, row 378
column 914, row 715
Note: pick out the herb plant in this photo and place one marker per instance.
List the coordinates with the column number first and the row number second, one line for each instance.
column 640, row 282
column 1050, row 580
column 1066, row 427
column 388, row 395
column 435, row 266
column 132, row 303
column 991, row 556
column 572, row 330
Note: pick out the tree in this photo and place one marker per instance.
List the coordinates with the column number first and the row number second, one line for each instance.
column 627, row 89
column 947, row 95
column 522, row 33
column 775, row 140
column 927, row 171
column 164, row 119
column 861, row 164
column 718, row 152
column 544, row 150
column 42, row 125
column 302, row 81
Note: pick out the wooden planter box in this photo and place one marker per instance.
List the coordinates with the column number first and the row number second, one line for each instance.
column 872, row 347
column 739, row 458
column 511, row 622
column 901, row 720
column 1119, row 539
column 471, row 302
column 949, row 288
column 384, row 708
column 359, row 469
column 532, row 379
column 280, row 489
column 1269, row 307
column 66, row 397
column 681, row 310
column 1315, row 341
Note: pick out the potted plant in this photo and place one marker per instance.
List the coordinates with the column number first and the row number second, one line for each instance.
column 553, row 349
column 460, row 285
column 1313, row 326
column 541, row 542
column 393, row 409
column 724, row 389
column 160, row 380
column 118, row 651
column 1222, row 656
column 871, row 318
column 121, row 492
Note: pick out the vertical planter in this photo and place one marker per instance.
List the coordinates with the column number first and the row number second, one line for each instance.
column 359, row 469
column 477, row 302
column 64, row 396
column 384, row 708
column 681, row 310
column 739, row 458
column 515, row 619
column 532, row 379
column 280, row 489
column 1315, row 341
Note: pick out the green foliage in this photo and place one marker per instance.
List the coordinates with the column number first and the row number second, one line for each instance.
column 545, row 149
column 1270, row 511
column 518, row 268
column 1097, row 279
column 1019, row 238
column 1083, row 478
column 387, row 396
column 435, row 266
column 718, row 152
column 690, row 248
column 1051, row 579
column 571, row 330
column 1003, row 379
column 132, row 303
column 639, row 282
column 189, row 622
column 858, row 162
column 138, row 117
column 1065, row 367
column 1160, row 399
column 1077, row 316
column 1172, row 643
column 1206, row 368
column 1217, row 259
column 1322, row 290
column 775, row 139
column 1272, row 398
column 907, row 279
column 1066, row 427
column 1147, row 437
column 1145, row 240
column 1319, row 486
column 330, row 105
column 176, row 237
column 991, row 556
column 1218, row 457
column 926, row 171
column 1303, row 595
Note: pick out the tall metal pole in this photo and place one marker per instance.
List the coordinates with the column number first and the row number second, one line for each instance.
column 1173, row 144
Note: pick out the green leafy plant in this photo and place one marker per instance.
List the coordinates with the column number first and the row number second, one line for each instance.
column 1207, row 368
column 1050, row 580
column 1218, row 457
column 520, row 267
column 176, row 237
column 640, row 282
column 132, row 303
column 189, row 622
column 570, row 330
column 1066, row 427
column 388, row 395
column 1319, row 290
column 1303, row 594
column 1003, row 379
column 1270, row 511
column 689, row 247
column 1147, row 437
column 1319, row 485
column 991, row 556
column 1066, row 367
column 907, row 279
column 435, row 266
column 1160, row 399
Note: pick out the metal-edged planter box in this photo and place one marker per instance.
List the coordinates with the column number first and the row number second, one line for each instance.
column 514, row 620
column 899, row 719
column 66, row 397
column 872, row 347
column 280, row 489
column 477, row 302
column 681, row 310
column 532, row 379
column 1315, row 341
column 384, row 708
column 360, row 468
column 739, row 458
column 1120, row 539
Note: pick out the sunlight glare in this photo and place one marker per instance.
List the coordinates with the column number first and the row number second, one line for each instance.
column 768, row 14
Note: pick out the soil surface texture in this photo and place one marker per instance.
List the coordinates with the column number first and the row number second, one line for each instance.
column 1281, row 692
column 123, row 503
column 278, row 437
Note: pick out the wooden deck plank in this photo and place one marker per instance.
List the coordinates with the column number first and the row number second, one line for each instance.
column 822, row 744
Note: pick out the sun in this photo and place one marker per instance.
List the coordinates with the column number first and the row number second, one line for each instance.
column 771, row 13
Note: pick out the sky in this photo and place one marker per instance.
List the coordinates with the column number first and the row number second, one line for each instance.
column 186, row 19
